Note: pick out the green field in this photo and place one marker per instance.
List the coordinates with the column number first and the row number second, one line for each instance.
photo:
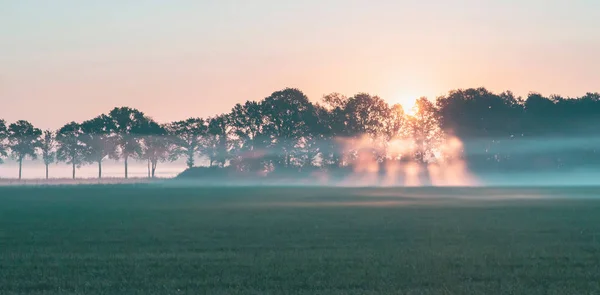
column 148, row 239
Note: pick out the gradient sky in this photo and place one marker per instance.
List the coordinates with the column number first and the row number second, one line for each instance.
column 65, row 60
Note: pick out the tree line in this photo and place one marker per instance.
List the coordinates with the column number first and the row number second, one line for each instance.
column 287, row 132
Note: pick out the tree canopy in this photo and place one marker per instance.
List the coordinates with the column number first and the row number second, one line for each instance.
column 288, row 132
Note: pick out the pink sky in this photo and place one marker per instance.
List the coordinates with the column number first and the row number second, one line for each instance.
column 70, row 60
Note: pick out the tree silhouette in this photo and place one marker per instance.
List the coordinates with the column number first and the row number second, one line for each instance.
column 361, row 115
column 333, row 116
column 98, row 141
column 286, row 114
column 423, row 129
column 156, row 145
column 3, row 138
column 395, row 122
column 247, row 124
column 126, row 124
column 216, row 144
column 483, row 120
column 70, row 148
column 187, row 137
column 366, row 114
column 47, row 146
column 285, row 131
column 24, row 140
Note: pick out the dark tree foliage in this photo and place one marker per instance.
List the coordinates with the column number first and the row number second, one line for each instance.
column 126, row 124
column 24, row 141
column 98, row 140
column 3, row 138
column 287, row 132
column 217, row 144
column 157, row 146
column 70, row 148
column 187, row 137
column 287, row 114
column 249, row 136
column 47, row 146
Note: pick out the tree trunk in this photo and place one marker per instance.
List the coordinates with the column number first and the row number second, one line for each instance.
column 126, row 158
column 73, row 169
column 20, row 166
column 149, row 168
column 190, row 160
column 46, row 171
column 100, row 169
column 154, row 163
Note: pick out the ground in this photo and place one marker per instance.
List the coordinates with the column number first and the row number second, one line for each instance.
column 155, row 239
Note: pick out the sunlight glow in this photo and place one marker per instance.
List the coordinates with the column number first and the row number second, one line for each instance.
column 409, row 105
column 407, row 100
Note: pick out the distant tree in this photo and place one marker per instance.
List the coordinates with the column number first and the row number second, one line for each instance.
column 70, row 148
column 126, row 125
column 357, row 116
column 333, row 114
column 484, row 121
column 98, row 141
column 479, row 113
column 286, row 115
column 3, row 138
column 314, row 146
column 366, row 115
column 216, row 144
column 423, row 128
column 248, row 128
column 47, row 146
column 394, row 123
column 156, row 145
column 24, row 140
column 187, row 137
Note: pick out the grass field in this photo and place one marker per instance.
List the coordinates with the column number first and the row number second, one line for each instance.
column 148, row 239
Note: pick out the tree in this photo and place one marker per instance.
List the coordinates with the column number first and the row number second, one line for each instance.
column 126, row 124
column 395, row 122
column 286, row 115
column 47, row 146
column 156, row 145
column 3, row 137
column 361, row 116
column 98, row 141
column 187, row 137
column 24, row 140
column 484, row 121
column 216, row 145
column 247, row 125
column 423, row 129
column 70, row 148
column 366, row 115
column 333, row 119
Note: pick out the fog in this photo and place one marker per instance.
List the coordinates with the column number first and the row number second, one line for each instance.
column 110, row 169
column 568, row 162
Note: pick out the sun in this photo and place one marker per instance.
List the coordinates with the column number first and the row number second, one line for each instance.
column 408, row 102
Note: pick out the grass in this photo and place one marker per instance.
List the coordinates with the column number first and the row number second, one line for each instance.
column 148, row 239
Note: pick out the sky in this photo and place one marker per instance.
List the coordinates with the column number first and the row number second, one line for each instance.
column 70, row 60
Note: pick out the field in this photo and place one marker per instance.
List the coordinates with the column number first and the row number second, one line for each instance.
column 154, row 239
